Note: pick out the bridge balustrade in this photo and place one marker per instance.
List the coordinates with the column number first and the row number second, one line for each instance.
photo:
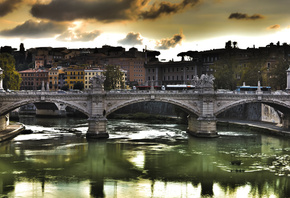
column 203, row 105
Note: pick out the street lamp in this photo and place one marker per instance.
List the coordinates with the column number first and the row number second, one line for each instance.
column 288, row 79
column 259, row 83
column 1, row 80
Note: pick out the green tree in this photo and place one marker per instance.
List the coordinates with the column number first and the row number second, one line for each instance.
column 65, row 87
column 114, row 78
column 225, row 71
column 79, row 85
column 11, row 78
column 255, row 70
column 277, row 75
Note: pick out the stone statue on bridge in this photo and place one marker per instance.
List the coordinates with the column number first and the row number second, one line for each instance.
column 97, row 82
column 205, row 80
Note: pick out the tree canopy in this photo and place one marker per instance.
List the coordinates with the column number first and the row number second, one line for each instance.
column 277, row 75
column 225, row 72
column 114, row 78
column 79, row 85
column 11, row 78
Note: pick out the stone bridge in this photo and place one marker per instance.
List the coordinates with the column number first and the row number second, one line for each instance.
column 203, row 105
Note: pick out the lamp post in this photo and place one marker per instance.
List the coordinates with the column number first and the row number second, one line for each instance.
column 259, row 83
column 288, row 79
column 1, row 80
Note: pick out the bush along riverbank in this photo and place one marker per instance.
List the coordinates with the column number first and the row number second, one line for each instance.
column 152, row 118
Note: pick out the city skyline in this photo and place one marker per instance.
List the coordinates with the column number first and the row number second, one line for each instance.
column 170, row 26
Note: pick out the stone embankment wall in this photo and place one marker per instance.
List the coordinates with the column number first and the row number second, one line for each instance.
column 269, row 114
column 253, row 112
column 158, row 108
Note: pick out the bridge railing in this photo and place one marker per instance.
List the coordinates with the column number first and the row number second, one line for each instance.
column 77, row 92
column 150, row 91
column 39, row 92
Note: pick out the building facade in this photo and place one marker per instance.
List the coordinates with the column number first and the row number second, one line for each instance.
column 33, row 79
column 89, row 73
column 74, row 74
column 169, row 73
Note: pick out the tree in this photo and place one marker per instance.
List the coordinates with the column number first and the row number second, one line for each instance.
column 255, row 69
column 114, row 78
column 11, row 78
column 65, row 88
column 277, row 75
column 225, row 72
column 79, row 85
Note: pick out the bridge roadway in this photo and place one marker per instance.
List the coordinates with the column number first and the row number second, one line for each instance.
column 202, row 105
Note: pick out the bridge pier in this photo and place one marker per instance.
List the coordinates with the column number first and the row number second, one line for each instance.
column 202, row 126
column 4, row 122
column 286, row 121
column 97, row 128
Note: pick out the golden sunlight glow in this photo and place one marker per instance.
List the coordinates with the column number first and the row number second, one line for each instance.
column 139, row 159
column 38, row 189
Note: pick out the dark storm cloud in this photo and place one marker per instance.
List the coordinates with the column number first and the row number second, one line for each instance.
column 107, row 10
column 169, row 43
column 102, row 10
column 33, row 29
column 8, row 6
column 241, row 16
column 132, row 39
column 166, row 8
column 78, row 36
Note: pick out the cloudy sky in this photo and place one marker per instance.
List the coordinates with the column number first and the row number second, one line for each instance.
column 170, row 26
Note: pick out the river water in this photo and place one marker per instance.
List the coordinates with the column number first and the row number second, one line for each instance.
column 141, row 160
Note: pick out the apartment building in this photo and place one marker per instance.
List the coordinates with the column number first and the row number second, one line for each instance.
column 33, row 79
column 73, row 75
column 89, row 73
column 53, row 74
column 167, row 73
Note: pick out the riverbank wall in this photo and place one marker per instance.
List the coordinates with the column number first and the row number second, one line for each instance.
column 257, row 126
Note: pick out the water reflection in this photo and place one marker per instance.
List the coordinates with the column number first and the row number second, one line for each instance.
column 142, row 160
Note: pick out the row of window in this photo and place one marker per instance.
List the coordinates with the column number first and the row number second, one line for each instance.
column 173, row 77
column 138, row 80
column 34, row 79
column 74, row 73
column 173, row 69
column 38, row 83
column 74, row 77
column 30, row 74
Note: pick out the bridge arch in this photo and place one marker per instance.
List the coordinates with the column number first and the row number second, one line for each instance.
column 8, row 108
column 276, row 104
column 186, row 107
